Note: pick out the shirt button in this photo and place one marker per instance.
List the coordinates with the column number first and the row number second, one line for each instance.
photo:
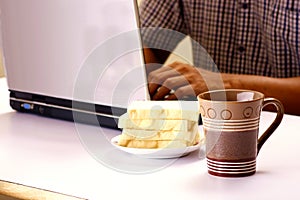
column 245, row 5
column 241, row 49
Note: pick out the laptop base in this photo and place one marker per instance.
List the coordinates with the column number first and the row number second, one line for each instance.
column 75, row 111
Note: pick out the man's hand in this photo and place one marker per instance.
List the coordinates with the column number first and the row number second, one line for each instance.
column 179, row 80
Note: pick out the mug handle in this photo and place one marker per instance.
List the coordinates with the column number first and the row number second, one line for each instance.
column 280, row 112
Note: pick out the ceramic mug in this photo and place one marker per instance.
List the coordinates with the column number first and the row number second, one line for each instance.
column 231, row 125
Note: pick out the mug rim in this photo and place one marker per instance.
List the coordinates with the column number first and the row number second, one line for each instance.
column 200, row 96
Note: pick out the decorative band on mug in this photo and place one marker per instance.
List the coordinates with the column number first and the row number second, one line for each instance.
column 246, row 172
column 231, row 167
column 231, row 164
column 226, row 128
column 229, row 126
column 233, row 121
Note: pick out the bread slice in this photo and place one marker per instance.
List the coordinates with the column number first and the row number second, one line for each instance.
column 182, row 110
column 157, row 142
column 154, row 144
column 134, row 134
column 156, row 124
column 160, row 124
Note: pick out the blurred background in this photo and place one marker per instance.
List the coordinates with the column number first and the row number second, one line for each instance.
column 1, row 66
column 182, row 53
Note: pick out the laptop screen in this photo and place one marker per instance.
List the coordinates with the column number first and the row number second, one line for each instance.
column 85, row 50
column 73, row 56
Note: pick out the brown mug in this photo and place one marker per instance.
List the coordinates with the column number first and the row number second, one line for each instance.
column 231, row 126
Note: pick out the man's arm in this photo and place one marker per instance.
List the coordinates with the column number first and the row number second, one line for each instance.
column 187, row 80
column 287, row 90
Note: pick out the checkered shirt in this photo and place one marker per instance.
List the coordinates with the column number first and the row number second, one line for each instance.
column 258, row 37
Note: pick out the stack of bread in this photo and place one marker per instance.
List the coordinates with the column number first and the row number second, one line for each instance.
column 159, row 124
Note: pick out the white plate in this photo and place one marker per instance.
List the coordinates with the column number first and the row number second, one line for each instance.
column 156, row 153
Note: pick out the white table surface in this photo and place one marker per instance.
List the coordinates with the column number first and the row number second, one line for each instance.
column 53, row 155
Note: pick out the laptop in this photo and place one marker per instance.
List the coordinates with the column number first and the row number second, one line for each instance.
column 76, row 60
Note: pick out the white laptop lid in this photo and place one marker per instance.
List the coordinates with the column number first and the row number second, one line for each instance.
column 87, row 50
